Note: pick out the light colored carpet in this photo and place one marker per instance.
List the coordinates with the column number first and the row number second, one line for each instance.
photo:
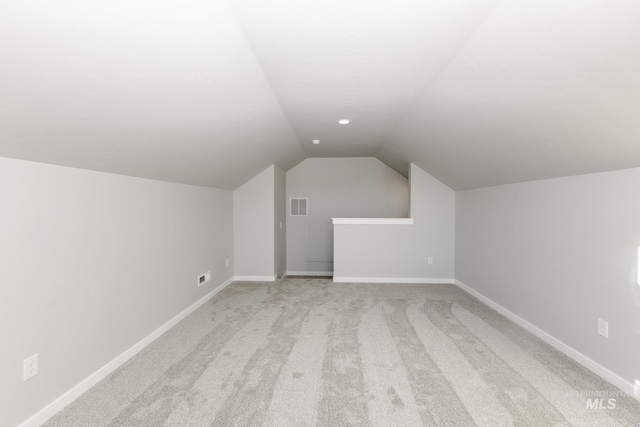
column 308, row 352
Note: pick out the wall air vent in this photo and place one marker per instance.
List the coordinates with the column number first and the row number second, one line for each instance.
column 299, row 207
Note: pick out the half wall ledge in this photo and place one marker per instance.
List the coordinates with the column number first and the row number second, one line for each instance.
column 372, row 221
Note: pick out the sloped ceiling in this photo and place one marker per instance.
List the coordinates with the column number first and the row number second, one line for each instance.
column 476, row 92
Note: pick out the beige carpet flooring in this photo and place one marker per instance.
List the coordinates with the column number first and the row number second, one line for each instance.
column 308, row 352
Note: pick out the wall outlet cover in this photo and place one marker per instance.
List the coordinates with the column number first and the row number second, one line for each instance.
column 30, row 367
column 603, row 328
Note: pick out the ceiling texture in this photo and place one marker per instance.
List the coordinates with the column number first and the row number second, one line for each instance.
column 211, row 92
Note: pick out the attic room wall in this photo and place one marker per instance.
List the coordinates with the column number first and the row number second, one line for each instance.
column 92, row 263
column 360, row 187
column 253, row 227
column 560, row 253
column 280, row 221
column 400, row 253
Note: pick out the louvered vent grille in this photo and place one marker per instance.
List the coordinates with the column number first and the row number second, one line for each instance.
column 299, row 207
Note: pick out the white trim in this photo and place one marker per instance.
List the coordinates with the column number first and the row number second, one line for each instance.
column 309, row 273
column 585, row 361
column 428, row 281
column 61, row 402
column 256, row 278
column 372, row 221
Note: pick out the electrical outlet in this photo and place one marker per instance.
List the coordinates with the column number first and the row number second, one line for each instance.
column 603, row 328
column 430, row 260
column 226, row 263
column 204, row 278
column 30, row 367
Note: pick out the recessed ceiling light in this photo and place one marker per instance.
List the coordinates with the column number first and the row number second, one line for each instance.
column 344, row 121
column 315, row 141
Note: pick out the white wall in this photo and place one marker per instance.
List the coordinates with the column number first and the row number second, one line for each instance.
column 338, row 187
column 280, row 222
column 91, row 263
column 560, row 254
column 253, row 227
column 401, row 252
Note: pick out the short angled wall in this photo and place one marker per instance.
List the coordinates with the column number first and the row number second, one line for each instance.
column 253, row 227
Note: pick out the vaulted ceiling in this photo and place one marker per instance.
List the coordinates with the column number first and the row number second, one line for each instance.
column 211, row 92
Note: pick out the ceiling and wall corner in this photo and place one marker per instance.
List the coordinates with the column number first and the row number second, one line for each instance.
column 543, row 89
column 164, row 90
column 211, row 93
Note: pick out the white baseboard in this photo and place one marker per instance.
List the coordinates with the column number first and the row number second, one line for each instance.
column 255, row 278
column 596, row 368
column 429, row 281
column 60, row 403
column 309, row 273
